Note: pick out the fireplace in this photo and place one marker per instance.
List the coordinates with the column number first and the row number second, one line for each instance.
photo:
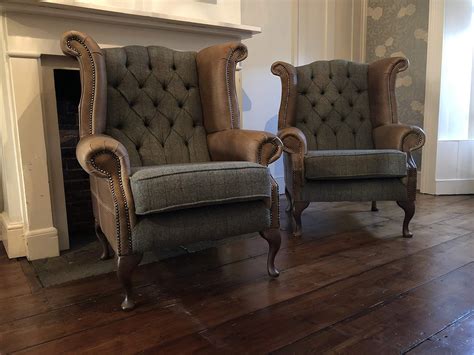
column 46, row 205
column 80, row 219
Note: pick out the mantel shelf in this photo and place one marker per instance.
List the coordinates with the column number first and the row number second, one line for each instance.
column 108, row 14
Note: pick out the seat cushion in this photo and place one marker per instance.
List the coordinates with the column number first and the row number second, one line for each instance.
column 354, row 164
column 178, row 186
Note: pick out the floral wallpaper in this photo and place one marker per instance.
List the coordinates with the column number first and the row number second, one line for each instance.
column 400, row 28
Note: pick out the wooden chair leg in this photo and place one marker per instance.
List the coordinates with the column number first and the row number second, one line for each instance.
column 273, row 237
column 288, row 200
column 409, row 208
column 374, row 206
column 298, row 208
column 126, row 264
column 103, row 242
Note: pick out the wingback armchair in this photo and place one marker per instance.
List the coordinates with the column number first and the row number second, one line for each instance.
column 168, row 162
column 342, row 138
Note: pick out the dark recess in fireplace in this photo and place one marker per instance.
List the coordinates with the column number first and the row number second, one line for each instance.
column 76, row 181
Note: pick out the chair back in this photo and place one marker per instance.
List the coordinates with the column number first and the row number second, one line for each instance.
column 333, row 105
column 154, row 105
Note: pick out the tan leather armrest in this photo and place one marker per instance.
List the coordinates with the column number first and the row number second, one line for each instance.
column 106, row 158
column 294, row 141
column 399, row 136
column 102, row 156
column 239, row 144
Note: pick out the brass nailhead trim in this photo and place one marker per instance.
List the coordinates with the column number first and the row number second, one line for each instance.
column 114, row 197
column 91, row 59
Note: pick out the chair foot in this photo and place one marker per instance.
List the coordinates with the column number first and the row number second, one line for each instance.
column 288, row 200
column 273, row 237
column 409, row 208
column 374, row 206
column 126, row 264
column 298, row 208
column 103, row 242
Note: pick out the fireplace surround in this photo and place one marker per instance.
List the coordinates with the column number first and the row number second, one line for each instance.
column 34, row 220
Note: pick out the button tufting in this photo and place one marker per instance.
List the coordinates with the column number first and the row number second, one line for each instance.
column 323, row 119
column 332, row 104
column 343, row 119
column 188, row 87
column 313, row 104
column 180, row 104
column 140, row 86
column 340, row 92
column 322, row 92
column 186, row 143
column 155, row 103
column 330, row 76
column 173, row 67
column 164, row 87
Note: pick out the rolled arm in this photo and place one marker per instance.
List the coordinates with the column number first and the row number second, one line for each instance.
column 245, row 145
column 295, row 147
column 104, row 157
column 294, row 141
column 399, row 136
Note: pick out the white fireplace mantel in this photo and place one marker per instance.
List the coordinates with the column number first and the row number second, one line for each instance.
column 29, row 51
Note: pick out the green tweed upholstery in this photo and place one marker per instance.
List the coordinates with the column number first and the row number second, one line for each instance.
column 177, row 186
column 201, row 223
column 154, row 105
column 354, row 164
column 391, row 189
column 333, row 105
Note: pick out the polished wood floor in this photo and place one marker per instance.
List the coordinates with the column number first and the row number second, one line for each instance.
column 349, row 285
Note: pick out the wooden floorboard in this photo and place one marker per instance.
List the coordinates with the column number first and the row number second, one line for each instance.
column 349, row 285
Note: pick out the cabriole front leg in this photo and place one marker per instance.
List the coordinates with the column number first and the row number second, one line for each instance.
column 126, row 264
column 409, row 208
column 273, row 237
column 297, row 210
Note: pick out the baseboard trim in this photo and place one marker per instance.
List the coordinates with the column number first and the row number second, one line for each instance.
column 454, row 186
column 13, row 236
column 42, row 243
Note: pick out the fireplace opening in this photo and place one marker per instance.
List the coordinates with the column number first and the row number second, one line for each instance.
column 80, row 219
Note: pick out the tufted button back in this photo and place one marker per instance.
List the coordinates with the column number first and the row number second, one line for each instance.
column 334, row 102
column 149, row 101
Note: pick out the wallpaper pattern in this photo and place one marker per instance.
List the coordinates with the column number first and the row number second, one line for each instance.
column 400, row 28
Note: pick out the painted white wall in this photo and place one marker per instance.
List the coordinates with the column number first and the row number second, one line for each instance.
column 260, row 88
column 448, row 162
column 298, row 32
